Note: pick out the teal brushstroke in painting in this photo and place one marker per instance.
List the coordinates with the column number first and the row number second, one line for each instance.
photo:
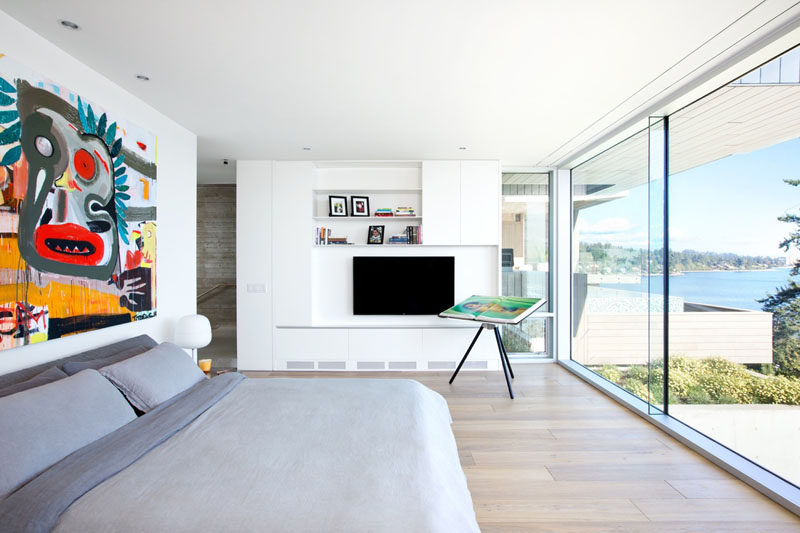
column 12, row 156
column 7, row 87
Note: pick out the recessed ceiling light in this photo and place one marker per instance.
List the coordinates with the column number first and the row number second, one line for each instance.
column 142, row 77
column 69, row 24
column 307, row 148
column 462, row 147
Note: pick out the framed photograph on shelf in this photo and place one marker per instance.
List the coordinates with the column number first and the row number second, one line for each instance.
column 359, row 206
column 337, row 206
column 375, row 235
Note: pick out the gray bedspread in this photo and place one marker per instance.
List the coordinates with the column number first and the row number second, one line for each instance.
column 295, row 455
column 36, row 506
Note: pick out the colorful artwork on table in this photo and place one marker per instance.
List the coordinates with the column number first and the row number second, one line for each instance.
column 494, row 309
column 77, row 212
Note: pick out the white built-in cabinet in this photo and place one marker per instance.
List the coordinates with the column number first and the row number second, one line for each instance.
column 292, row 234
column 310, row 286
column 461, row 202
column 441, row 202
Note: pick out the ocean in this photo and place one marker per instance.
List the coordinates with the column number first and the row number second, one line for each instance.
column 727, row 288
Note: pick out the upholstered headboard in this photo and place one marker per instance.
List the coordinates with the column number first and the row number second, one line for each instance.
column 143, row 341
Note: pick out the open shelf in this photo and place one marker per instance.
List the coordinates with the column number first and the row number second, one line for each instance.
column 366, row 245
column 387, row 219
column 368, row 190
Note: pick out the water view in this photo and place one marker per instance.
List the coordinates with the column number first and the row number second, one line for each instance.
column 740, row 289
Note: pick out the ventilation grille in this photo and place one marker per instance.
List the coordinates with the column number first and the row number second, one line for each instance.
column 371, row 365
column 480, row 365
column 402, row 365
column 331, row 365
column 300, row 365
column 441, row 365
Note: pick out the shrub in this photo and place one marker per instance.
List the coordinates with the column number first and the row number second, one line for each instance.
column 727, row 388
column 697, row 394
column 777, row 389
column 680, row 381
column 636, row 387
column 638, row 372
column 611, row 373
column 685, row 364
column 703, row 381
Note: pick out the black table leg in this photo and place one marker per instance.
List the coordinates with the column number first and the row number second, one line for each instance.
column 466, row 354
column 503, row 350
column 503, row 362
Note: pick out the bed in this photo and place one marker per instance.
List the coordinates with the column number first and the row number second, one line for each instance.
column 238, row 454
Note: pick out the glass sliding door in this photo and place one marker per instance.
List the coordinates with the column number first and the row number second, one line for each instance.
column 734, row 341
column 612, row 265
column 525, row 258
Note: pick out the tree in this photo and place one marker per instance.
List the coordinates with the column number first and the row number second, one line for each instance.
column 785, row 307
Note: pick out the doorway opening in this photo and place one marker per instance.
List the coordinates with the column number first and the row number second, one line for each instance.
column 216, row 272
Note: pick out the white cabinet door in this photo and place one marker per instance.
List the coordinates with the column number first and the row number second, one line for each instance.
column 480, row 202
column 385, row 344
column 292, row 235
column 253, row 264
column 441, row 204
column 309, row 344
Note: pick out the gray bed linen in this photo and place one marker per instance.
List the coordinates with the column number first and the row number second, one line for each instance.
column 36, row 506
column 295, row 455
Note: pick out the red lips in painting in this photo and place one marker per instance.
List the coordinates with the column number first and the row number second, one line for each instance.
column 69, row 243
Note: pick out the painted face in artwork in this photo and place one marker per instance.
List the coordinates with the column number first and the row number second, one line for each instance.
column 68, row 219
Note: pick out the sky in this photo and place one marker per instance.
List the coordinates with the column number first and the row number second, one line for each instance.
column 728, row 205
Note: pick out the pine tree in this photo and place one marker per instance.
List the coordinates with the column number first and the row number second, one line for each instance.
column 785, row 307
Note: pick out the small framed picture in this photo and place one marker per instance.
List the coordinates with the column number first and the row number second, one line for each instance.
column 375, row 235
column 359, row 206
column 337, row 206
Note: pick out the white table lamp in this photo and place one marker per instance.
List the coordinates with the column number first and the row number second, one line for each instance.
column 193, row 331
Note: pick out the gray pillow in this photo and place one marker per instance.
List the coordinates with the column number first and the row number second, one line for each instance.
column 155, row 376
column 73, row 367
column 41, row 426
column 48, row 376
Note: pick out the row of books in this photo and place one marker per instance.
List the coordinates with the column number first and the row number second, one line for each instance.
column 398, row 212
column 412, row 235
column 322, row 236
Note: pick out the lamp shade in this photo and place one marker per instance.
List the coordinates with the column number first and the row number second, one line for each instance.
column 193, row 331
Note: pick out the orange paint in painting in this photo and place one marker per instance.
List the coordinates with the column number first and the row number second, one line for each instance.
column 20, row 177
column 9, row 254
column 62, row 299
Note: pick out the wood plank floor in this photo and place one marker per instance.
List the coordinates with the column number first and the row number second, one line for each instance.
column 564, row 457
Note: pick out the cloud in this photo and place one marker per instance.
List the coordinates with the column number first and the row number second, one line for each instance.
column 608, row 226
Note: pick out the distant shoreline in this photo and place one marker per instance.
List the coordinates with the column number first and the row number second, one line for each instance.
column 770, row 269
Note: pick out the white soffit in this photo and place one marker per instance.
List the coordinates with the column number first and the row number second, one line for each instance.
column 381, row 79
column 735, row 119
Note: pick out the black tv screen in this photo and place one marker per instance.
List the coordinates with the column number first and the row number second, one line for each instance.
column 403, row 285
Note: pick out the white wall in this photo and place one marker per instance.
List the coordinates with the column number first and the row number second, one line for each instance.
column 254, row 181
column 177, row 193
column 476, row 272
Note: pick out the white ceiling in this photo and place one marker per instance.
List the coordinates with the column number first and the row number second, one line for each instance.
column 386, row 79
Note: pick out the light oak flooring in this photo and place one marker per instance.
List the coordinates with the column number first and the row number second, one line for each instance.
column 564, row 457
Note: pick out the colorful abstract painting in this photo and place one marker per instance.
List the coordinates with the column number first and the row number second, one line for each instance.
column 77, row 212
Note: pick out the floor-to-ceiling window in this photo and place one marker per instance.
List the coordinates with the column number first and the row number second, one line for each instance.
column 612, row 267
column 734, row 351
column 717, row 270
column 525, row 258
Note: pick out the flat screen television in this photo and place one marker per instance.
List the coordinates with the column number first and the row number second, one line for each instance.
column 403, row 285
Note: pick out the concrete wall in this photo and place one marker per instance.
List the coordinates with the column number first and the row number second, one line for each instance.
column 177, row 179
column 622, row 338
column 216, row 253
column 216, row 236
column 766, row 434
